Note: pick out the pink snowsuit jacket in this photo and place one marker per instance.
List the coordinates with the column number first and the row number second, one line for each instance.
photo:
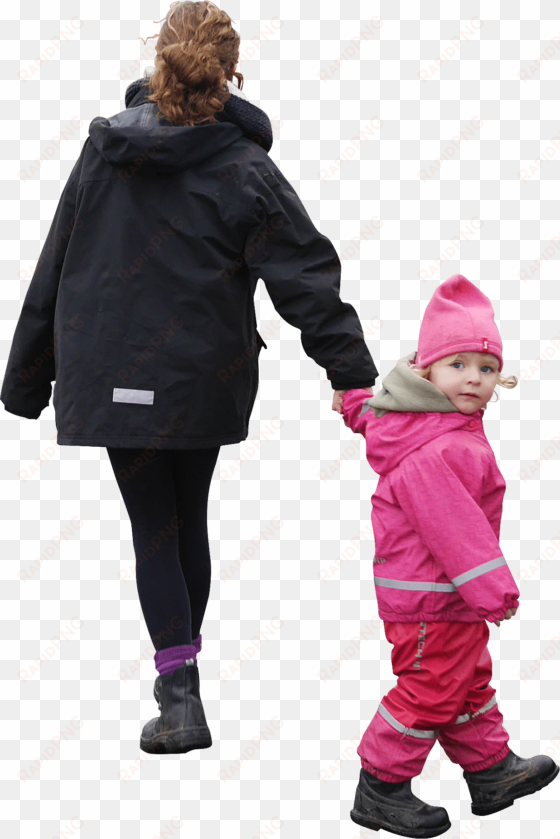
column 437, row 508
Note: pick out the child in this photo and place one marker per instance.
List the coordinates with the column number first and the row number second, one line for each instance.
column 439, row 571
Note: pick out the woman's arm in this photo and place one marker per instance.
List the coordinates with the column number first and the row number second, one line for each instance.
column 26, row 389
column 301, row 271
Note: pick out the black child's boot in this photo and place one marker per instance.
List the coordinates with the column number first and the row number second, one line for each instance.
column 182, row 725
column 513, row 777
column 395, row 808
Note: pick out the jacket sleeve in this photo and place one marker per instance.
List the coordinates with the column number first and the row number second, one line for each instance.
column 448, row 520
column 301, row 271
column 356, row 412
column 26, row 389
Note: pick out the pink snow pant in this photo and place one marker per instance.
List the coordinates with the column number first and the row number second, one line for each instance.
column 442, row 693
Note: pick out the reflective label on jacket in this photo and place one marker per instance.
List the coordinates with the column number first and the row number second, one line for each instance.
column 129, row 394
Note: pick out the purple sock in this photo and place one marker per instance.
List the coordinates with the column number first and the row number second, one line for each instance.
column 168, row 660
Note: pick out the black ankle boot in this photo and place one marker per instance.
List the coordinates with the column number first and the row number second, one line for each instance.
column 395, row 808
column 513, row 777
column 182, row 725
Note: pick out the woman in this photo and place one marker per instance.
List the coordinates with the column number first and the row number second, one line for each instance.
column 141, row 310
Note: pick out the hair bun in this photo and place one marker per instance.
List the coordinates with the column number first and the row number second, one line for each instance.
column 198, row 49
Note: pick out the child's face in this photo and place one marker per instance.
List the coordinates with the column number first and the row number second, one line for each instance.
column 471, row 372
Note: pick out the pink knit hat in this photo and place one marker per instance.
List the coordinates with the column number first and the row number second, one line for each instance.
column 458, row 318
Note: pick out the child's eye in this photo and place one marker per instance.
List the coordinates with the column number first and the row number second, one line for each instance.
column 486, row 366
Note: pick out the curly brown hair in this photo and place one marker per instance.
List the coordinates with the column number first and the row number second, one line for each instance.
column 197, row 51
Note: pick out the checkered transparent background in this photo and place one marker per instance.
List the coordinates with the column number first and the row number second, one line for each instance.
column 304, row 469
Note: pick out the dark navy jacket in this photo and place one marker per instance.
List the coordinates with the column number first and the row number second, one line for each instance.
column 141, row 305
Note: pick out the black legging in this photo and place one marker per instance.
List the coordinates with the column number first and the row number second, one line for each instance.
column 166, row 497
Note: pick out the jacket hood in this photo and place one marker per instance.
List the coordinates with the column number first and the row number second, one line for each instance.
column 411, row 411
column 137, row 137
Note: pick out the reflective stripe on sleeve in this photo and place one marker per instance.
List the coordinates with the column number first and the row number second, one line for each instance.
column 478, row 571
column 414, row 732
column 413, row 585
column 365, row 406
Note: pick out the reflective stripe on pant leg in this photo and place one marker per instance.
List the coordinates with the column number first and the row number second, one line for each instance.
column 414, row 732
column 478, row 742
column 467, row 717
column 393, row 752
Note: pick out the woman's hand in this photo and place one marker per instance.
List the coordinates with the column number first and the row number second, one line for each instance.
column 509, row 614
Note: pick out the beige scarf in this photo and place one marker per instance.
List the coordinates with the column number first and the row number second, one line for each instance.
column 404, row 390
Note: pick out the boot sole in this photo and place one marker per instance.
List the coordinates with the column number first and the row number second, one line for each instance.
column 482, row 810
column 180, row 741
column 415, row 833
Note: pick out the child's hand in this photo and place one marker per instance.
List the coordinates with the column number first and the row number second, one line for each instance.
column 509, row 614
column 337, row 401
